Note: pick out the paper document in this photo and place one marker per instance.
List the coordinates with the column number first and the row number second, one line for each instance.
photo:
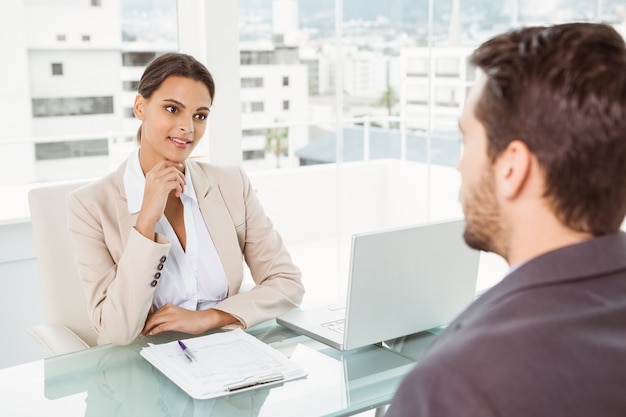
column 223, row 363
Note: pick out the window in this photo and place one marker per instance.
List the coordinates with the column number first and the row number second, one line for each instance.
column 417, row 94
column 470, row 70
column 86, row 38
column 417, row 67
column 256, row 57
column 253, row 154
column 137, row 59
column 285, row 104
column 251, row 82
column 129, row 112
column 252, row 106
column 254, row 132
column 57, row 68
column 61, row 38
column 447, row 66
column 71, row 106
column 130, row 85
column 446, row 96
column 285, row 81
column 71, row 149
column 96, row 3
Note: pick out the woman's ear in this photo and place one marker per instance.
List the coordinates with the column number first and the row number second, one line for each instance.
column 139, row 106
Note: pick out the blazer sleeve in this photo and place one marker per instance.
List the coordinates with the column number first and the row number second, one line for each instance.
column 278, row 280
column 117, row 268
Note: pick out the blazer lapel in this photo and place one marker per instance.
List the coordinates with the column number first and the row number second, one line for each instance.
column 126, row 219
column 219, row 223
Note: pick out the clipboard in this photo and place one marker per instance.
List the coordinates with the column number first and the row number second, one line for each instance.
column 224, row 363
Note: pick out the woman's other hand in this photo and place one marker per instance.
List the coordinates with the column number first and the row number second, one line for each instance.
column 173, row 318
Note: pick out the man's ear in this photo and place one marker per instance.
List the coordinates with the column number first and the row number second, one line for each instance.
column 512, row 169
column 139, row 106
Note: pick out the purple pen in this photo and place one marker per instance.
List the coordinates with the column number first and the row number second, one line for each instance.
column 188, row 355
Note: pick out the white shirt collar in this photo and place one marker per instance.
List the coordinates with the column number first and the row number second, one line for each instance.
column 135, row 182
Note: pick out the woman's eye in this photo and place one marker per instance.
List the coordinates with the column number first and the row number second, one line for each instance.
column 171, row 109
column 201, row 116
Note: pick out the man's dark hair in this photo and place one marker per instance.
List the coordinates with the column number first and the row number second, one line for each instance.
column 562, row 91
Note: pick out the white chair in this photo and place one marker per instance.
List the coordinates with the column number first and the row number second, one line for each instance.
column 67, row 328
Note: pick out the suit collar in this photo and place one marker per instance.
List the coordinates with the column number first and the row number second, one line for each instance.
column 584, row 260
column 119, row 178
column 202, row 180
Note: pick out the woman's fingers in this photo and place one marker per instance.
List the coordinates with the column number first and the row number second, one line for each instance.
column 173, row 318
column 162, row 179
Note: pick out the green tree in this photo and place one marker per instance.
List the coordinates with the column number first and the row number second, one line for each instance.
column 389, row 99
column 276, row 141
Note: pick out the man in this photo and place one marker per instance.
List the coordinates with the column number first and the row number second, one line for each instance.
column 544, row 185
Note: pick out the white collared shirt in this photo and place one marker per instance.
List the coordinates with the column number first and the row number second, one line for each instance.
column 193, row 279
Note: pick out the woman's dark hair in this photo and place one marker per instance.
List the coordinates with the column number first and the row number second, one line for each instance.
column 173, row 64
column 562, row 91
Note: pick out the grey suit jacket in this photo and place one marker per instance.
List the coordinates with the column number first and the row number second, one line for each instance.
column 548, row 340
column 118, row 265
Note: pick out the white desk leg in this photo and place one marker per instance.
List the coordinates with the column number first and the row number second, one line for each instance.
column 380, row 411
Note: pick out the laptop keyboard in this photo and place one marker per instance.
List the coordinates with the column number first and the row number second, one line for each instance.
column 335, row 325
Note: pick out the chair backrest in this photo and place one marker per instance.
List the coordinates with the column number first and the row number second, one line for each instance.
column 63, row 295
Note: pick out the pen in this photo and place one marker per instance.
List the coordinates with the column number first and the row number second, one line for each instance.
column 252, row 381
column 188, row 355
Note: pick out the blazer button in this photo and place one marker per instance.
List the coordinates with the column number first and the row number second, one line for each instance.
column 157, row 275
column 160, row 267
column 154, row 283
column 163, row 258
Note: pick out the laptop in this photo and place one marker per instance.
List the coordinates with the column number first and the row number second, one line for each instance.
column 401, row 281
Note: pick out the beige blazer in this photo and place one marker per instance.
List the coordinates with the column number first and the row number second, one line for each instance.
column 118, row 265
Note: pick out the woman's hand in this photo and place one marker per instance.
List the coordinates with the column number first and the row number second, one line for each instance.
column 161, row 180
column 173, row 318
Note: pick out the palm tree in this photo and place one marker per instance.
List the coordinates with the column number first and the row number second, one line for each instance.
column 276, row 142
column 389, row 99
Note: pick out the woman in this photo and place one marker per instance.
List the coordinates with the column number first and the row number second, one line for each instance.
column 159, row 242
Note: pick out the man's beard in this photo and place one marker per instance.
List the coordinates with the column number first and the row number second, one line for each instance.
column 483, row 228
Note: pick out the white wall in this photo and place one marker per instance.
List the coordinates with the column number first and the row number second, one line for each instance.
column 101, row 23
column 21, row 303
column 15, row 109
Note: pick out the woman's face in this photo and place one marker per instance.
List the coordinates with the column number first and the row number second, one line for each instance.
column 173, row 120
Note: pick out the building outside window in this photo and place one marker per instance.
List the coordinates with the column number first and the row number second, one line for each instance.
column 137, row 59
column 130, row 85
column 447, row 66
column 57, row 68
column 252, row 82
column 71, row 106
column 71, row 149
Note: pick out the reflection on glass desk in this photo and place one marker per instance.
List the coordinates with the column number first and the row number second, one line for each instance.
column 116, row 381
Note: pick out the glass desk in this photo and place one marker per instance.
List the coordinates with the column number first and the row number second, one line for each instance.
column 116, row 381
